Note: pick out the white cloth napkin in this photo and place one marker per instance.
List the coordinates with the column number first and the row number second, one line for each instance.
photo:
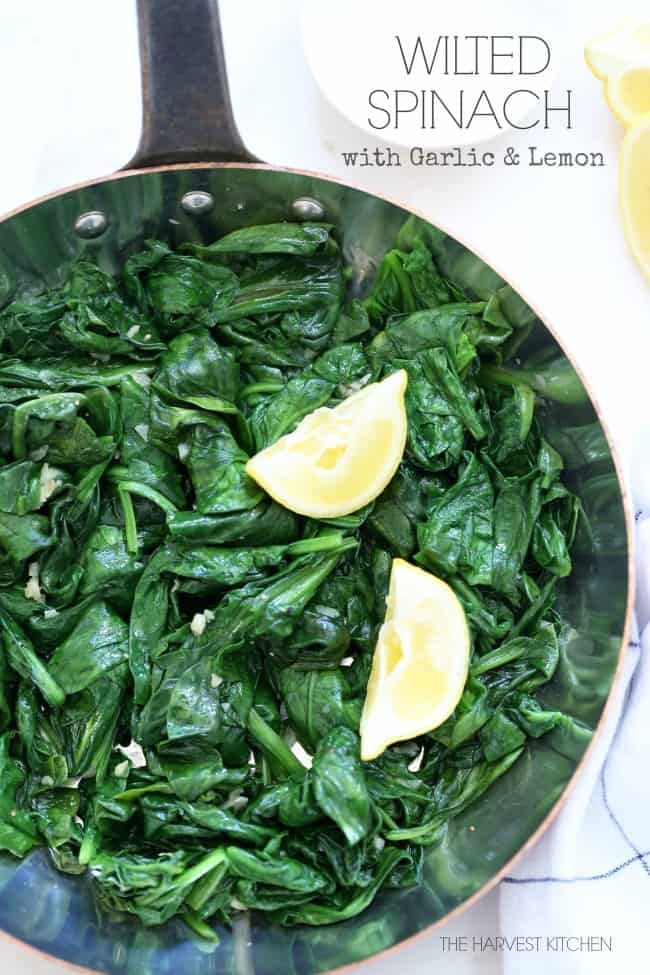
column 588, row 879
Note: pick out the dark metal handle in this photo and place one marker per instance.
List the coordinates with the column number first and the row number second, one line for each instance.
column 186, row 110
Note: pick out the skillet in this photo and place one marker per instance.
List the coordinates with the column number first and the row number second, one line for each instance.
column 192, row 178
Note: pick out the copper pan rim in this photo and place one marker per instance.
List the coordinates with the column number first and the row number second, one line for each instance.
column 625, row 499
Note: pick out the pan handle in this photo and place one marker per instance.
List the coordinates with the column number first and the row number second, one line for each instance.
column 186, row 110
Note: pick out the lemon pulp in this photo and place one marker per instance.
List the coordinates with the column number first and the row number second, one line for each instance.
column 622, row 60
column 609, row 53
column 634, row 191
column 420, row 664
column 627, row 93
column 338, row 459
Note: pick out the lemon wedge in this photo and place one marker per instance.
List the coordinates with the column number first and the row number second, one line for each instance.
column 627, row 92
column 420, row 663
column 612, row 52
column 622, row 60
column 337, row 460
column 634, row 191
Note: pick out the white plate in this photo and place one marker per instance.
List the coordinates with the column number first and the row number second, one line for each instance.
column 352, row 49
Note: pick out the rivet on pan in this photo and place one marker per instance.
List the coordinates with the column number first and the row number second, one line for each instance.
column 197, row 202
column 91, row 224
column 306, row 208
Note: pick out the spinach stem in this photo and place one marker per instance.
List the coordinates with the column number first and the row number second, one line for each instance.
column 530, row 615
column 119, row 475
column 398, row 270
column 255, row 388
column 130, row 526
column 273, row 744
column 199, row 869
column 203, row 890
column 135, row 793
column 320, row 543
column 86, row 486
column 390, row 822
column 87, row 848
column 24, row 659
column 199, row 926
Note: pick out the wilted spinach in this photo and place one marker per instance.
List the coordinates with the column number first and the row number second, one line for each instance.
column 175, row 645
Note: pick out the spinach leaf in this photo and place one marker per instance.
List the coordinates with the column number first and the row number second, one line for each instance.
column 285, row 872
column 217, row 468
column 279, row 414
column 555, row 381
column 25, row 486
column 285, row 285
column 458, row 534
column 21, row 536
column 99, row 642
column 317, row 702
column 266, row 523
column 303, row 239
column 142, row 461
column 18, row 832
column 177, row 286
column 339, row 784
column 194, row 369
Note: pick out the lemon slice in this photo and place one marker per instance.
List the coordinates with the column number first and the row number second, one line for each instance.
column 634, row 191
column 610, row 53
column 420, row 662
column 337, row 460
column 627, row 92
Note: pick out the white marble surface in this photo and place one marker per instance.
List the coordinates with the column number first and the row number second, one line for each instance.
column 70, row 111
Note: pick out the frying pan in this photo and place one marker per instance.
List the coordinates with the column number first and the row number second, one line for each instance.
column 193, row 178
